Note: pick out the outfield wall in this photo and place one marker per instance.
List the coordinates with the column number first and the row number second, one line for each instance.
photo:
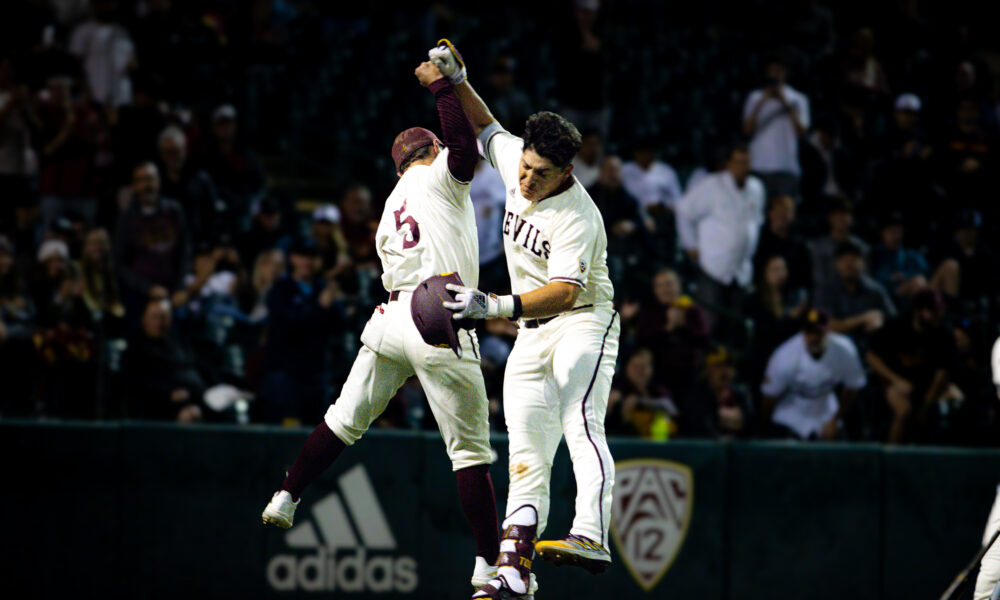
column 139, row 510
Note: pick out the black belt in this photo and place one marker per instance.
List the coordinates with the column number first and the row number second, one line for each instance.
column 393, row 296
column 536, row 323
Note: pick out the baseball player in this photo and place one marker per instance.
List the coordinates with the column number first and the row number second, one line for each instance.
column 559, row 373
column 988, row 580
column 428, row 227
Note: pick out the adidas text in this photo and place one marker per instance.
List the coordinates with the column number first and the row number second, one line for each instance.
column 347, row 572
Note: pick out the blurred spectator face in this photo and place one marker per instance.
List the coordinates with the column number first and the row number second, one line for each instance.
column 776, row 273
column 96, row 246
column 268, row 267
column 968, row 116
column 611, row 172
column 303, row 266
column 156, row 319
column 666, row 287
column 356, row 205
column 850, row 266
column 841, row 221
column 322, row 232
column 892, row 236
column 590, row 151
column 739, row 166
column 224, row 129
column 146, row 185
column 639, row 370
column 966, row 237
column 781, row 214
column 927, row 317
column 644, row 156
column 965, row 76
column 906, row 120
column 775, row 73
column 173, row 150
column 720, row 375
column 815, row 341
column 6, row 261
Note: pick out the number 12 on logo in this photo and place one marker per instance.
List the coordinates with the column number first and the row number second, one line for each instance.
column 414, row 238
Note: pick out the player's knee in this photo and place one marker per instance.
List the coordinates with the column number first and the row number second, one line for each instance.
column 345, row 433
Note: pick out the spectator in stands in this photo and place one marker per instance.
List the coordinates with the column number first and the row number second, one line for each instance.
column 489, row 197
column 16, row 153
column 108, row 54
column 162, row 378
column 776, row 116
column 359, row 223
column 900, row 270
column 715, row 407
column 67, row 130
column 152, row 243
column 858, row 304
column 776, row 308
column 822, row 250
column 326, row 234
column 628, row 228
column 238, row 177
column 861, row 68
column 17, row 324
column 778, row 238
column 800, row 390
column 913, row 357
column 191, row 186
column 508, row 103
column 587, row 162
column 718, row 223
column 268, row 268
column 303, row 317
column 100, row 281
column 676, row 331
column 581, row 69
column 47, row 282
column 968, row 151
column 651, row 181
column 828, row 166
column 637, row 405
column 265, row 231
column 966, row 265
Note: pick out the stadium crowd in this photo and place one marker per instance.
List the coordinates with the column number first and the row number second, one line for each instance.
column 816, row 263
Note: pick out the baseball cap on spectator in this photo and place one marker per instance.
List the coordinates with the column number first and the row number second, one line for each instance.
column 409, row 141
column 908, row 102
column 303, row 246
column 816, row 320
column 225, row 112
column 928, row 298
column 720, row 355
column 848, row 248
column 328, row 213
column 53, row 248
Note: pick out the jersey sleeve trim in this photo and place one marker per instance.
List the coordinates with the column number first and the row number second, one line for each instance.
column 569, row 280
column 486, row 136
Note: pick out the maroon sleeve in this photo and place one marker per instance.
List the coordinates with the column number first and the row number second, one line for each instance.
column 456, row 131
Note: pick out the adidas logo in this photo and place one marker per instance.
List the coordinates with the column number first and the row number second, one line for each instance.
column 353, row 555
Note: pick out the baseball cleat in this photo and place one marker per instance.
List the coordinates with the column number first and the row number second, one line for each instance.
column 280, row 510
column 484, row 572
column 575, row 550
column 499, row 589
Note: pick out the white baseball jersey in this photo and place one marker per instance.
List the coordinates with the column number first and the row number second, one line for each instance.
column 428, row 227
column 560, row 238
column 805, row 385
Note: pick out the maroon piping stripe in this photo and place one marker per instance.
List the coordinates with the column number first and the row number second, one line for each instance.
column 586, row 428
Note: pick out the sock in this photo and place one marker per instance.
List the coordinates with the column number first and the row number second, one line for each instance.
column 322, row 447
column 475, row 493
column 517, row 576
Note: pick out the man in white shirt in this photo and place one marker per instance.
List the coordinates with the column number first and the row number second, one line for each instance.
column 718, row 222
column 776, row 116
column 802, row 376
column 107, row 53
column 587, row 162
column 652, row 182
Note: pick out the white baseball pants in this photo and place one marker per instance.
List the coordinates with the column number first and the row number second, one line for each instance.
column 989, row 568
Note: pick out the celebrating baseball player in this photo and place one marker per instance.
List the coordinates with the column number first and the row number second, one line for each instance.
column 559, row 373
column 428, row 226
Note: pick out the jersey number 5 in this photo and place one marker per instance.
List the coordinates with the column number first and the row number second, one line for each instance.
column 414, row 238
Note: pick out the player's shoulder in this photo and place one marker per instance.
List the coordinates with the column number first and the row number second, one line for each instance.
column 791, row 347
column 841, row 343
column 755, row 185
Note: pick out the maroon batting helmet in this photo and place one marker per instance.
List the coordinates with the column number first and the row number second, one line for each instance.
column 436, row 323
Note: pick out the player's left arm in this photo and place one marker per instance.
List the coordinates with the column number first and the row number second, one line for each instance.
column 448, row 59
column 455, row 128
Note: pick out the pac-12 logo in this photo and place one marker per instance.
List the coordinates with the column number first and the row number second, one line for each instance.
column 340, row 561
column 650, row 515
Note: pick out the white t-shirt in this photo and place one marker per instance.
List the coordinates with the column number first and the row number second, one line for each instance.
column 657, row 186
column 805, row 386
column 775, row 145
column 560, row 238
column 488, row 192
column 428, row 227
column 722, row 222
column 106, row 50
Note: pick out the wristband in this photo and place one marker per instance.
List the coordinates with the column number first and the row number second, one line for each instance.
column 505, row 306
column 518, row 308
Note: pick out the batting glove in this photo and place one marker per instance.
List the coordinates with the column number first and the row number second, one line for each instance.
column 470, row 303
column 447, row 59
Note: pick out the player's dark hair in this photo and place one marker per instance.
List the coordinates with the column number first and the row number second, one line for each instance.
column 552, row 137
column 419, row 154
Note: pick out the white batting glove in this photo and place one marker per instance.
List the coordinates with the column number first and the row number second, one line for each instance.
column 447, row 59
column 471, row 303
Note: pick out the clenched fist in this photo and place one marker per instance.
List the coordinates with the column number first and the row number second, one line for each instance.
column 427, row 73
